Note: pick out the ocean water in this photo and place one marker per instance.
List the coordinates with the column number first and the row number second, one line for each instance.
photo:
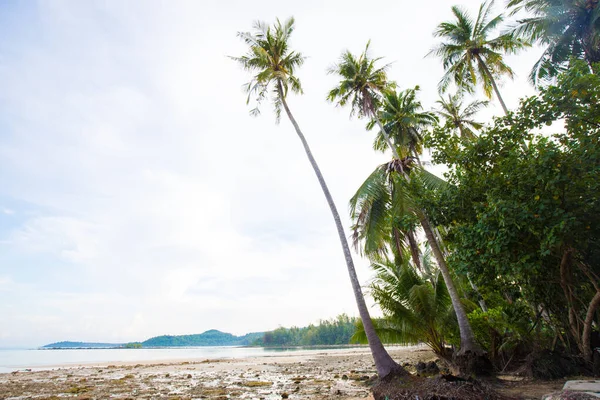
column 14, row 360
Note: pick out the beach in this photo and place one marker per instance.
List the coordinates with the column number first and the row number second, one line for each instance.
column 343, row 374
column 327, row 374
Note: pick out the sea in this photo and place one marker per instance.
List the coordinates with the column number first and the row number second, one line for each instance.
column 42, row 359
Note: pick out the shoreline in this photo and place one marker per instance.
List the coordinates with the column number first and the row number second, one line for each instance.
column 270, row 352
column 316, row 374
column 320, row 374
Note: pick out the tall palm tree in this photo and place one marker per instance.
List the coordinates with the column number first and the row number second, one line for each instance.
column 389, row 194
column 404, row 120
column 566, row 28
column 274, row 64
column 362, row 85
column 468, row 54
column 460, row 117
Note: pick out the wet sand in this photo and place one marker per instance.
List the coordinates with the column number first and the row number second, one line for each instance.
column 341, row 374
column 328, row 374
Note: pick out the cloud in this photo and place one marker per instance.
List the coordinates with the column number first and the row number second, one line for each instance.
column 142, row 197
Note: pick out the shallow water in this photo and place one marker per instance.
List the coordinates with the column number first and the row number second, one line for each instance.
column 12, row 360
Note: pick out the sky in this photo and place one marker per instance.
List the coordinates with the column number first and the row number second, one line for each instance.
column 137, row 195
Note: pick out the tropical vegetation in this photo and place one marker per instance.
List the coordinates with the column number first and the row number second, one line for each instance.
column 497, row 262
column 335, row 331
column 274, row 64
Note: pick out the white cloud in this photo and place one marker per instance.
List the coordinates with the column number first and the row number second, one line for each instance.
column 156, row 204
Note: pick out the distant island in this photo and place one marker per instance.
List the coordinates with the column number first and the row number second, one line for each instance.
column 209, row 338
column 336, row 331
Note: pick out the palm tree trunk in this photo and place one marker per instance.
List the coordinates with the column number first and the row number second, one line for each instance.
column 467, row 337
column 489, row 74
column 586, row 336
column 383, row 362
column 414, row 248
column 385, row 135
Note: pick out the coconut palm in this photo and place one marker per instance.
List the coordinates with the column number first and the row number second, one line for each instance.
column 416, row 307
column 404, row 120
column 362, row 84
column 273, row 63
column 566, row 28
column 460, row 117
column 469, row 56
column 389, row 194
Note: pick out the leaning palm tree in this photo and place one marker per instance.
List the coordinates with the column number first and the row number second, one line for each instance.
column 566, row 28
column 460, row 117
column 274, row 65
column 361, row 85
column 390, row 193
column 469, row 56
column 383, row 228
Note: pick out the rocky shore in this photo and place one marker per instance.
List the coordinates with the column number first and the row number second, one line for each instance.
column 330, row 374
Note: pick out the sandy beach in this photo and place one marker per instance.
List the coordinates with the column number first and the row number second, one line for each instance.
column 339, row 374
column 330, row 374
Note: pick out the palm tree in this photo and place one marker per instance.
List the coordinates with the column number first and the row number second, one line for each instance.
column 416, row 307
column 381, row 220
column 566, row 28
column 388, row 195
column 403, row 119
column 274, row 64
column 468, row 54
column 361, row 85
column 459, row 117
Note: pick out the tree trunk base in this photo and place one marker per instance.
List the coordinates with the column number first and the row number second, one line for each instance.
column 473, row 363
column 441, row 387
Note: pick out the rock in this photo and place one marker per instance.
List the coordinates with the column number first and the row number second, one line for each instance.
column 569, row 395
column 576, row 390
column 429, row 368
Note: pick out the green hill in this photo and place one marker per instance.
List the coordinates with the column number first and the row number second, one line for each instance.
column 208, row 338
column 82, row 345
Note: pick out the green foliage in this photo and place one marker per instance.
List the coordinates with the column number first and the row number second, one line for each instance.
column 469, row 56
column 458, row 117
column 416, row 308
column 404, row 120
column 208, row 338
column 566, row 29
column 270, row 58
column 520, row 200
column 328, row 332
column 361, row 84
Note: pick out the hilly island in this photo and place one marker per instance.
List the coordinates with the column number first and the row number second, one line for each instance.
column 212, row 337
column 334, row 331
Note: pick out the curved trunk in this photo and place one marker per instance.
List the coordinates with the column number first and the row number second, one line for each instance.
column 489, row 74
column 414, row 248
column 587, row 328
column 383, row 362
column 467, row 338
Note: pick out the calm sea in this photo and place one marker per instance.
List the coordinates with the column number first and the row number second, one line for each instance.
column 13, row 360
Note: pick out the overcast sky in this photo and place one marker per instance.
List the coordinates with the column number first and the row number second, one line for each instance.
column 139, row 198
